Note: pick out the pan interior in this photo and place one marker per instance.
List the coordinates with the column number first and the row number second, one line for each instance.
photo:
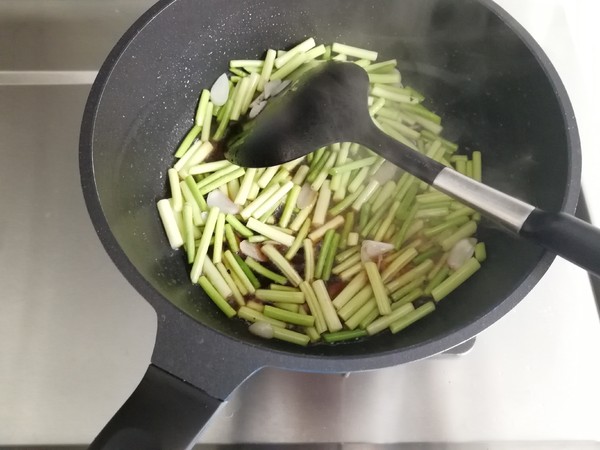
column 490, row 89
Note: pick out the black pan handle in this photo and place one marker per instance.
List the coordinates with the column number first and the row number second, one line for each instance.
column 568, row 236
column 163, row 413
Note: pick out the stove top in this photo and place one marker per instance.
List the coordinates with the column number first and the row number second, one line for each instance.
column 75, row 338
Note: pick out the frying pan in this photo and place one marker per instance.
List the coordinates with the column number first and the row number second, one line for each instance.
column 494, row 87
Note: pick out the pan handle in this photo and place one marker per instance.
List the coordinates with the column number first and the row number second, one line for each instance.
column 163, row 412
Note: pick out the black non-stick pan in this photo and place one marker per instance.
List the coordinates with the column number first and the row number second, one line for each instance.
column 494, row 87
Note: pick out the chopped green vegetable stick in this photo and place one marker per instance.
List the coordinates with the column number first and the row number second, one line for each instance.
column 270, row 232
column 296, row 61
column 432, row 213
column 435, row 281
column 238, row 282
column 207, row 235
column 309, row 260
column 447, row 224
column 455, row 279
column 385, row 321
column 267, row 69
column 381, row 296
column 323, row 173
column 189, row 198
column 232, row 263
column 288, row 316
column 256, row 239
column 461, row 166
column 300, row 175
column 342, row 256
column 178, row 220
column 469, row 171
column 246, row 63
column 298, row 241
column 427, row 254
column 249, row 210
column 402, row 234
column 282, row 176
column 253, row 316
column 216, row 279
column 364, row 162
column 237, row 295
column 262, row 270
column 382, row 66
column 291, row 307
column 346, row 202
column 345, row 335
column 216, row 175
column 313, row 306
column 480, row 252
column 351, row 271
column 207, row 123
column 273, row 200
column 290, row 336
column 374, row 220
column 357, row 302
column 356, row 181
column 240, row 95
column 267, row 176
column 427, row 124
column 365, row 195
column 408, row 298
column 188, row 221
column 167, row 216
column 378, row 91
column 412, row 317
column 238, row 72
column 346, row 264
column 269, row 217
column 476, row 161
column 269, row 295
column 387, row 222
column 409, row 276
column 256, row 306
column 279, row 287
column 233, row 187
column 290, row 204
column 441, row 262
column 352, row 238
column 461, row 211
column 416, row 283
column 392, row 77
column 282, row 264
column 392, row 132
column 340, row 193
column 340, row 57
column 405, row 257
column 304, row 46
column 331, row 225
column 226, row 115
column 431, row 197
column 208, row 167
column 231, row 239
column 466, row 230
column 383, row 195
column 369, row 318
column 323, row 253
column 175, row 190
column 250, row 91
column 245, row 186
column 187, row 141
column 237, row 173
column 348, row 226
column 331, row 318
column 356, row 52
column 365, row 310
column 197, row 154
column 377, row 105
column 216, row 297
column 322, row 205
column 219, row 234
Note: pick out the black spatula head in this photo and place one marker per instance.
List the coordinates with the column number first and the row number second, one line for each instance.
column 328, row 105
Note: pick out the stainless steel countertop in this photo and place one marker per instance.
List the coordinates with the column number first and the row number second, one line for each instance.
column 75, row 338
